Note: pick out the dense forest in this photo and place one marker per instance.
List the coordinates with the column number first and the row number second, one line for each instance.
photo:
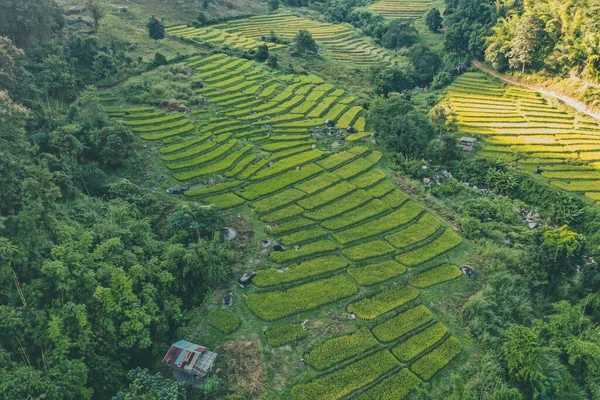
column 101, row 271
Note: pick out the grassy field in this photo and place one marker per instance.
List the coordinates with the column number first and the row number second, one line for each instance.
column 519, row 124
column 353, row 241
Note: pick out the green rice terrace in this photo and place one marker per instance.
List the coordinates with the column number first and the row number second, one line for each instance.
column 394, row 9
column 347, row 237
column 341, row 42
column 517, row 123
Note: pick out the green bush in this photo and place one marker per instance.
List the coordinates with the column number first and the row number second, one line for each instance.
column 321, row 246
column 271, row 306
column 345, row 381
column 284, row 334
column 403, row 215
column 339, row 349
column 446, row 242
column 340, row 206
column 272, row 185
column 376, row 273
column 367, row 211
column 382, row 302
column 368, row 250
column 430, row 364
column 310, row 268
column 396, row 387
column 326, row 196
column 420, row 342
column 443, row 273
column 403, row 323
column 277, row 200
column 424, row 228
column 224, row 321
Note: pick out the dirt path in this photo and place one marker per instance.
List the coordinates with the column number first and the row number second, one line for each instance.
column 576, row 104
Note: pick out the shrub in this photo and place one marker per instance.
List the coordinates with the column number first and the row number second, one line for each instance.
column 318, row 183
column 321, row 246
column 407, row 213
column 375, row 273
column 403, row 323
column 443, row 273
column 369, row 210
column 337, row 350
column 310, row 268
column 424, row 228
column 271, row 306
column 430, row 364
column 224, row 321
column 382, row 302
column 272, row 185
column 446, row 242
column 368, row 250
column 345, row 381
column 396, row 387
column 326, row 196
column 420, row 342
column 340, row 206
column 277, row 200
column 284, row 334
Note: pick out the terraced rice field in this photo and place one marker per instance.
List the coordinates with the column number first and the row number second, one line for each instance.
column 516, row 123
column 344, row 225
column 394, row 9
column 340, row 42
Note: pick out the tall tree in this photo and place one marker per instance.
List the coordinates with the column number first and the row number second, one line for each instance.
column 305, row 44
column 425, row 61
column 95, row 13
column 156, row 29
column 434, row 20
column 528, row 39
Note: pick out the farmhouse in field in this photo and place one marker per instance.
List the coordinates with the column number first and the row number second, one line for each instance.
column 190, row 362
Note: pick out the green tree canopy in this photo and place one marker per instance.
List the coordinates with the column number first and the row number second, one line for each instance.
column 156, row 28
column 305, row 44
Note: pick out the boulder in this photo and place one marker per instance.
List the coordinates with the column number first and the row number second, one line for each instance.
column 228, row 299
column 329, row 123
column 246, row 279
column 229, row 233
column 351, row 129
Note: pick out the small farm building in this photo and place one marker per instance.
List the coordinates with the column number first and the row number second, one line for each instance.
column 190, row 362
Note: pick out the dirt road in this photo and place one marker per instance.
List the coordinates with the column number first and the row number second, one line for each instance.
column 576, row 104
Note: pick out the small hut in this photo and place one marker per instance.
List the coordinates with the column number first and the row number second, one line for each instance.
column 467, row 143
column 190, row 362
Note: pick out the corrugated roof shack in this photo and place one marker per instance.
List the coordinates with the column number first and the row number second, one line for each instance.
column 190, row 362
